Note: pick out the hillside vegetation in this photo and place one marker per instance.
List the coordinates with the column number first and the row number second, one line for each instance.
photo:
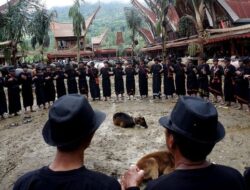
column 111, row 16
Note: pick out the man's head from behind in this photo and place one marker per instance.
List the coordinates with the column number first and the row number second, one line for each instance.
column 71, row 123
column 193, row 128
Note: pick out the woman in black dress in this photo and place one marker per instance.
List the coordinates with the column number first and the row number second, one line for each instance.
column 94, row 82
column 27, row 92
column 106, row 85
column 143, row 79
column 50, row 92
column 192, row 82
column 119, row 83
column 229, row 84
column 3, row 103
column 216, row 80
column 130, row 80
column 14, row 99
column 241, row 85
column 71, row 75
column 203, row 73
column 156, row 71
column 60, row 84
column 82, row 79
column 180, row 78
column 39, row 81
column 168, row 72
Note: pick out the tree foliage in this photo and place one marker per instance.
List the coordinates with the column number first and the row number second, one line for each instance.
column 78, row 23
column 16, row 20
column 39, row 27
column 134, row 22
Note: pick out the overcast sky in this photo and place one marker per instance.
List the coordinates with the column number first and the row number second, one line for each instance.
column 52, row 3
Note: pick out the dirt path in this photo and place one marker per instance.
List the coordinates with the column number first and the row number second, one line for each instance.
column 113, row 149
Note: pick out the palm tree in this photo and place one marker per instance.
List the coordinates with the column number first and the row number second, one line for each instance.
column 78, row 24
column 197, row 16
column 160, row 8
column 134, row 22
column 161, row 24
column 39, row 28
column 17, row 19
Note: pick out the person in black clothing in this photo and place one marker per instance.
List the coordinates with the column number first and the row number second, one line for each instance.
column 156, row 71
column 192, row 82
column 247, row 177
column 241, row 84
column 49, row 87
column 203, row 73
column 82, row 79
column 168, row 71
column 192, row 130
column 3, row 103
column 39, row 81
column 143, row 79
column 94, row 82
column 71, row 75
column 216, row 80
column 106, row 84
column 70, row 128
column 14, row 99
column 119, row 83
column 130, row 80
column 27, row 92
column 60, row 84
column 180, row 78
column 229, row 83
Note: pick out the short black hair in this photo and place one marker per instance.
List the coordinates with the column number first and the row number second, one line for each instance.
column 190, row 149
column 75, row 146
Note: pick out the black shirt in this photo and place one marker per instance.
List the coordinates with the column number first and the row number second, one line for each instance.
column 211, row 178
column 78, row 179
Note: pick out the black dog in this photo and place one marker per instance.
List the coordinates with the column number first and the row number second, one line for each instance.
column 126, row 121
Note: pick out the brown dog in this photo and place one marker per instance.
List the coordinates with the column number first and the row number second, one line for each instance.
column 156, row 164
column 126, row 121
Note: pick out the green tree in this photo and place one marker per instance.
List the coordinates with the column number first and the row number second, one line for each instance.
column 17, row 19
column 197, row 17
column 78, row 24
column 39, row 28
column 160, row 8
column 134, row 22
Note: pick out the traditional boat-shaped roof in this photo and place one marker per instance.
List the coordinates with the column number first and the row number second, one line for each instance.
column 238, row 10
column 99, row 39
column 148, row 13
column 147, row 35
column 62, row 30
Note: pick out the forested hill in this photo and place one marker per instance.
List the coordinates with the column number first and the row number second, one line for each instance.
column 111, row 16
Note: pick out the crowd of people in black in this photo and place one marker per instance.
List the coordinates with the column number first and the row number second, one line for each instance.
column 194, row 79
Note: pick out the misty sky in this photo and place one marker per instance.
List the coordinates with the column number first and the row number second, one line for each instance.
column 52, row 3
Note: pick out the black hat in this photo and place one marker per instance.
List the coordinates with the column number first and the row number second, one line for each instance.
column 71, row 119
column 118, row 62
column 228, row 59
column 195, row 119
column 25, row 66
column 215, row 59
column 11, row 70
column 157, row 59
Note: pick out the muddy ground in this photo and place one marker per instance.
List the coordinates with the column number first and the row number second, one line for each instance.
column 113, row 149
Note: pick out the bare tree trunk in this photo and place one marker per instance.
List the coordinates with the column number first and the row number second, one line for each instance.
column 14, row 52
column 78, row 49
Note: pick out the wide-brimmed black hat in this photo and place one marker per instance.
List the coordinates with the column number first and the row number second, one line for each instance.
column 195, row 119
column 215, row 59
column 227, row 59
column 71, row 119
